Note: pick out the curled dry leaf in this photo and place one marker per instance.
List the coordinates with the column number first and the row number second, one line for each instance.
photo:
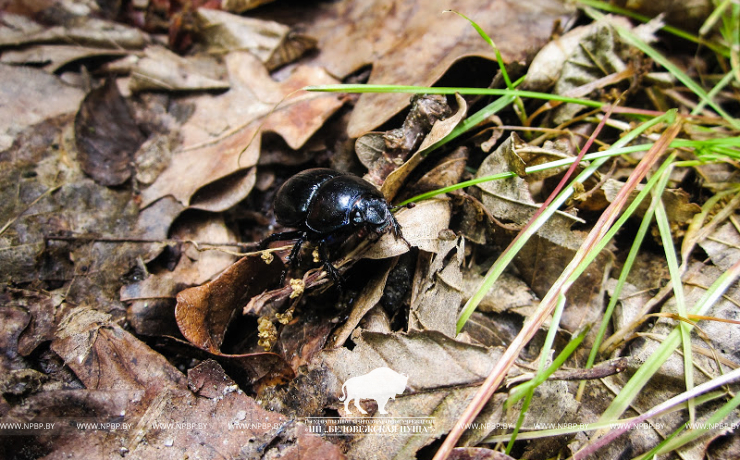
column 548, row 64
column 395, row 180
column 203, row 313
column 677, row 205
column 600, row 53
column 448, row 171
column 107, row 136
column 510, row 200
column 366, row 300
column 222, row 31
column 437, row 290
column 17, row 30
column 223, row 134
column 382, row 153
column 161, row 69
column 152, row 300
column 421, row 226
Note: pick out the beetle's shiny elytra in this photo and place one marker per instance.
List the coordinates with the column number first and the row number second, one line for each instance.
column 321, row 203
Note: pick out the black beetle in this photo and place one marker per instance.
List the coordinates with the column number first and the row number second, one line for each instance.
column 326, row 206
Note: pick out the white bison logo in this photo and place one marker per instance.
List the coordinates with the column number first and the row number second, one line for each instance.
column 380, row 384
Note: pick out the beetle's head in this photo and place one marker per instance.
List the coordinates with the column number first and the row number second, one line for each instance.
column 372, row 212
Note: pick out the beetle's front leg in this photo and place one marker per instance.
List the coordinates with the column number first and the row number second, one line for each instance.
column 324, row 256
column 397, row 231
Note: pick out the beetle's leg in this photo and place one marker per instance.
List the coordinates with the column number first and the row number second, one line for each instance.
column 291, row 235
column 324, row 256
column 295, row 252
column 397, row 231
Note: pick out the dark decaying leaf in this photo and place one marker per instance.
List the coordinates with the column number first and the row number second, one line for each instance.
column 40, row 308
column 366, row 300
column 204, row 312
column 152, row 392
column 107, row 136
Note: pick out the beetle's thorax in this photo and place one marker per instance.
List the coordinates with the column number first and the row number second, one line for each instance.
column 372, row 212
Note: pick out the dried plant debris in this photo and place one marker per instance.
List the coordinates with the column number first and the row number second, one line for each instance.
column 396, row 37
column 148, row 391
column 510, row 200
column 222, row 136
column 204, row 312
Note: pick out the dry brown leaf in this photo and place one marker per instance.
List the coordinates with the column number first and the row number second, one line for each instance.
column 540, row 263
column 437, row 290
column 441, row 373
column 107, row 136
column 678, row 207
column 16, row 30
column 723, row 246
column 421, row 226
column 221, row 31
column 508, row 293
column 30, row 96
column 203, row 313
column 414, row 43
column 40, row 308
column 161, row 69
column 151, row 309
column 54, row 57
column 510, row 200
column 382, row 153
column 216, row 138
column 689, row 15
column 477, row 453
